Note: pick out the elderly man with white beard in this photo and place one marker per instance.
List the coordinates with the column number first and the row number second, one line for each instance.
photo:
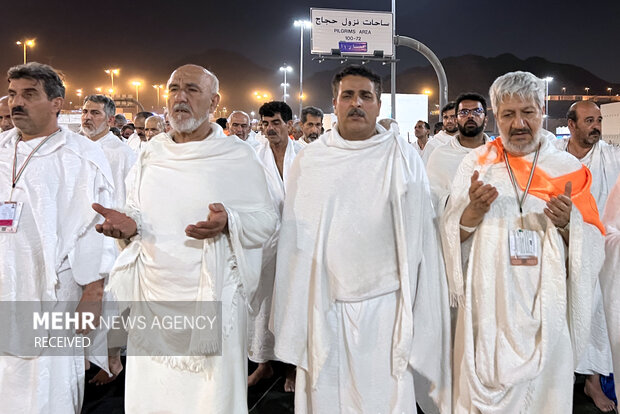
column 522, row 214
column 198, row 212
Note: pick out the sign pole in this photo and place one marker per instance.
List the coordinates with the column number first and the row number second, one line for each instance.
column 393, row 64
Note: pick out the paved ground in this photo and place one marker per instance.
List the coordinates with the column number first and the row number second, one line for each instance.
column 267, row 397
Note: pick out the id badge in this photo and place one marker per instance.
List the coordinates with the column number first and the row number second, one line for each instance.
column 523, row 247
column 10, row 211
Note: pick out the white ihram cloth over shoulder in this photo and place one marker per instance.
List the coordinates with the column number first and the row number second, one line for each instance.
column 520, row 329
column 262, row 341
column 135, row 143
column 171, row 186
column 441, row 167
column 603, row 160
column 358, row 248
column 55, row 252
column 439, row 139
column 252, row 140
column 610, row 275
column 416, row 145
column 121, row 159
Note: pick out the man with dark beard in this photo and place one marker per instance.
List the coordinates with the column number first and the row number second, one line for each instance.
column 603, row 161
column 450, row 128
column 471, row 111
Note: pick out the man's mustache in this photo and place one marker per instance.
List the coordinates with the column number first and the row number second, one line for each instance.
column 520, row 131
column 19, row 110
column 594, row 132
column 356, row 111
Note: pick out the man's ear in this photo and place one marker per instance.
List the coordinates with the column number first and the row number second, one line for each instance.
column 57, row 104
column 215, row 101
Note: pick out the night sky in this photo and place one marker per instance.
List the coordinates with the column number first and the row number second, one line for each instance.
column 145, row 39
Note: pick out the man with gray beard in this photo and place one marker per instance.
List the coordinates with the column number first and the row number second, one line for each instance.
column 97, row 113
column 521, row 211
column 198, row 212
column 5, row 114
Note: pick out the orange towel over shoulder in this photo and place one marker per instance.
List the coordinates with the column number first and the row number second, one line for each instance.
column 544, row 187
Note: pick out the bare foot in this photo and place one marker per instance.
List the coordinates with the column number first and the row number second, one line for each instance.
column 593, row 390
column 289, row 384
column 264, row 370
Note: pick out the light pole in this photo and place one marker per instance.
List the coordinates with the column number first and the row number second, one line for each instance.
column 563, row 91
column 137, row 85
column 609, row 91
column 158, row 88
column 547, row 80
column 25, row 43
column 587, row 91
column 112, row 72
column 302, row 24
column 286, row 68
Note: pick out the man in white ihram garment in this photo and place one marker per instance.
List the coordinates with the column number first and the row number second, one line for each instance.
column 450, row 128
column 521, row 211
column 360, row 301
column 238, row 124
column 610, row 282
column 50, row 252
column 471, row 119
column 276, row 153
column 603, row 161
column 97, row 112
column 198, row 212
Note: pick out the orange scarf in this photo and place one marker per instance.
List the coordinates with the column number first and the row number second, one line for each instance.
column 545, row 187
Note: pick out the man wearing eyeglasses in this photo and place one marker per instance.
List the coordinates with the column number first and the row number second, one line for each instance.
column 471, row 112
column 450, row 128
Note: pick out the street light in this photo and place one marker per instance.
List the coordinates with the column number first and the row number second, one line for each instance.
column 587, row 91
column 261, row 96
column 427, row 92
column 158, row 88
column 112, row 72
column 547, row 80
column 78, row 92
column 137, row 85
column 302, row 24
column 25, row 43
column 285, row 69
column 98, row 90
column 563, row 91
column 609, row 91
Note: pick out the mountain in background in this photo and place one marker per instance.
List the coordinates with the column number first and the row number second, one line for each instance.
column 240, row 77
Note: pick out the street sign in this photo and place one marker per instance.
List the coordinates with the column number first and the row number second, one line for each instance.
column 351, row 32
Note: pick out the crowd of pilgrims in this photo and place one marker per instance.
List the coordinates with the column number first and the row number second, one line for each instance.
column 450, row 272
